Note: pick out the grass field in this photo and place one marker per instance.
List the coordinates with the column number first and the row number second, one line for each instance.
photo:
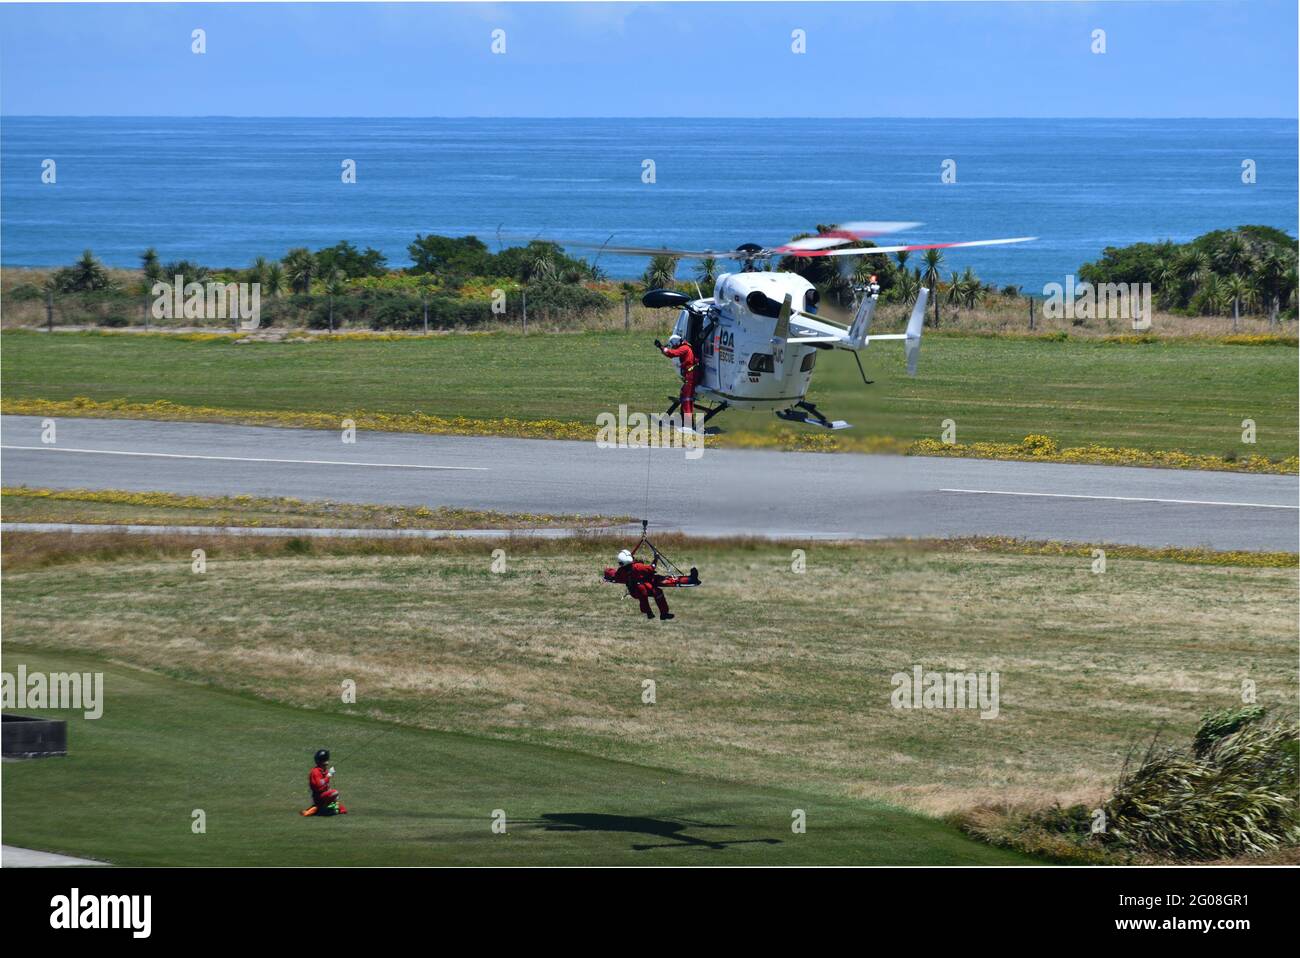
column 127, row 791
column 1180, row 395
column 769, row 683
column 100, row 506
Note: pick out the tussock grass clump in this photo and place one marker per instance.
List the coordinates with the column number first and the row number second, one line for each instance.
column 1218, row 725
column 1234, row 793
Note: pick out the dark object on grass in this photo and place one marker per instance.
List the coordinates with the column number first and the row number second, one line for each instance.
column 25, row 736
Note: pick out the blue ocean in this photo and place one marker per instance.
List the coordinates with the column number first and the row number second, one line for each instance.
column 225, row 190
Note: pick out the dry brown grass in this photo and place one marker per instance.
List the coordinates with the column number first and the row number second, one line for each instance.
column 112, row 506
column 765, row 676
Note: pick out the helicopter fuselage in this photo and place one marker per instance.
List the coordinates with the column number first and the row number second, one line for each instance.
column 741, row 362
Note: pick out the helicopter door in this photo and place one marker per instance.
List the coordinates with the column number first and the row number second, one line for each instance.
column 686, row 326
column 690, row 326
column 695, row 332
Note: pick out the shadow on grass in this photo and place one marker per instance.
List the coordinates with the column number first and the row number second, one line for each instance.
column 662, row 828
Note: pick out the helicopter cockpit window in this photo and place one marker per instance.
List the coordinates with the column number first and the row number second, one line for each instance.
column 808, row 362
column 762, row 305
column 761, row 363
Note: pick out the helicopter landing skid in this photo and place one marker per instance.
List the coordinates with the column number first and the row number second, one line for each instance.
column 809, row 415
column 709, row 413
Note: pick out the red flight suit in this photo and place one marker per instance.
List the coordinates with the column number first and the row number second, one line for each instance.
column 685, row 357
column 643, row 584
column 323, row 795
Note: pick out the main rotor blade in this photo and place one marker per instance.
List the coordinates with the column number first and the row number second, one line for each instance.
column 862, row 229
column 821, row 241
column 869, row 250
column 656, row 251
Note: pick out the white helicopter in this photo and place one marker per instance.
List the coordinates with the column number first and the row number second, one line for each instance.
column 756, row 338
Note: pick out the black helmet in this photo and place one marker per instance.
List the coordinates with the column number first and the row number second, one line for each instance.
column 322, row 756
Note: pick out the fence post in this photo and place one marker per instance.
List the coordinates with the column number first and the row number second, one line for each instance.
column 627, row 312
column 146, row 313
column 49, row 310
column 424, row 301
column 1031, row 314
column 525, row 312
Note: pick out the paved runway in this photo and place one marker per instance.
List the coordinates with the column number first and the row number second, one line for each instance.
column 13, row 857
column 794, row 495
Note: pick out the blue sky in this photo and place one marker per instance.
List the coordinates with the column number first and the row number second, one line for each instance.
column 1164, row 59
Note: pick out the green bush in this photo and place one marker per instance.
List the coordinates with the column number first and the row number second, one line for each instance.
column 1237, row 794
column 1217, row 725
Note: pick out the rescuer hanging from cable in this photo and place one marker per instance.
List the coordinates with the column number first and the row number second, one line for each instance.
column 644, row 582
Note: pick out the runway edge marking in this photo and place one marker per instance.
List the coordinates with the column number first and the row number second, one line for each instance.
column 297, row 462
column 1069, row 495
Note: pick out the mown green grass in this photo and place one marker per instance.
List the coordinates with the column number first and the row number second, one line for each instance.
column 767, row 677
column 129, row 787
column 1188, row 396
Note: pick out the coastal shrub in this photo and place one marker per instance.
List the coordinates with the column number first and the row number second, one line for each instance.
column 568, row 298
column 25, row 293
column 1233, row 793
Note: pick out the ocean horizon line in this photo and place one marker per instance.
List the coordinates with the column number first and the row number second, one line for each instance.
column 690, row 119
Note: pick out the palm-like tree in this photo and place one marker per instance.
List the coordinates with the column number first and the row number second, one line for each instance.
column 150, row 266
column 908, row 286
column 336, row 284
column 1202, row 265
column 706, row 274
column 84, row 275
column 1167, row 280
column 1237, row 291
column 972, row 290
column 1233, row 255
column 1268, row 276
column 1191, row 267
column 299, row 268
column 1212, row 295
column 257, row 272
column 933, row 259
column 1288, row 290
column 540, row 267
column 273, row 280
column 953, row 293
column 661, row 273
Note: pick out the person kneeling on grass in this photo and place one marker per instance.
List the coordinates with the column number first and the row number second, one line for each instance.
column 324, row 796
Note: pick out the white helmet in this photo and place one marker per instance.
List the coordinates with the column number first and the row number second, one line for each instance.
column 625, row 558
column 674, row 340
